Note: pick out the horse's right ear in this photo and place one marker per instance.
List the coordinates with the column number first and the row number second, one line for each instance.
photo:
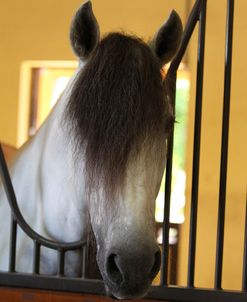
column 84, row 32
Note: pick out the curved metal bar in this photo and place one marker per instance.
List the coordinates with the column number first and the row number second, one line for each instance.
column 171, row 75
column 188, row 30
column 8, row 187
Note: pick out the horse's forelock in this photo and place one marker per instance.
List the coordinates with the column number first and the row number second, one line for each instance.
column 117, row 102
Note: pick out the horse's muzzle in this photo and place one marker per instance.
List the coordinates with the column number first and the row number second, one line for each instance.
column 129, row 274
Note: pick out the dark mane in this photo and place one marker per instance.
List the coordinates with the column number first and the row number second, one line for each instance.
column 117, row 102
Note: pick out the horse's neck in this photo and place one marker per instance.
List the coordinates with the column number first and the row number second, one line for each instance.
column 56, row 183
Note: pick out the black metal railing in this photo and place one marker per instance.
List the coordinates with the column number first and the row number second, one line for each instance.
column 18, row 219
column 164, row 291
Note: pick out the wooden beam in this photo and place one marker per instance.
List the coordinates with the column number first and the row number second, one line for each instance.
column 27, row 295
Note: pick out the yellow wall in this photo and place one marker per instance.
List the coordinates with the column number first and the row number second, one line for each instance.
column 38, row 30
column 210, row 146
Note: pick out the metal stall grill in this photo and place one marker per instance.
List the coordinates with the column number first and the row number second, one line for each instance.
column 164, row 291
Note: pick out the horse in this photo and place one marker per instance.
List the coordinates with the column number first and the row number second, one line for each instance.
column 99, row 157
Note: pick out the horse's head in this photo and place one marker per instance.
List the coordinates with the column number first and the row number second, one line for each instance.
column 120, row 114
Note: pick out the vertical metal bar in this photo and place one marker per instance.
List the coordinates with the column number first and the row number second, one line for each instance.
column 168, row 183
column 244, row 278
column 61, row 256
column 36, row 257
column 224, row 145
column 84, row 257
column 197, row 144
column 174, row 256
column 12, row 248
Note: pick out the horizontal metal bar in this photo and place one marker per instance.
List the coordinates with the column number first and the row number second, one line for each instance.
column 184, row 294
column 52, row 283
column 171, row 293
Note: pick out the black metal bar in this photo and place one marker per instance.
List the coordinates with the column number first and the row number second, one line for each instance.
column 244, row 278
column 181, row 294
column 96, row 287
column 84, row 257
column 188, row 30
column 20, row 219
column 168, row 183
column 12, row 247
column 174, row 256
column 197, row 145
column 61, row 257
column 54, row 283
column 36, row 257
column 171, row 79
column 224, row 145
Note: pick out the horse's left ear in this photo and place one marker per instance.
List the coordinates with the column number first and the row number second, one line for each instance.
column 84, row 32
column 167, row 40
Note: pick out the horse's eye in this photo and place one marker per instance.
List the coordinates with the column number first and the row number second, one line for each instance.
column 170, row 119
column 169, row 124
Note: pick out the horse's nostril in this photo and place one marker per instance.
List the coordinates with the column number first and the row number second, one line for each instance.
column 113, row 270
column 132, row 272
column 156, row 265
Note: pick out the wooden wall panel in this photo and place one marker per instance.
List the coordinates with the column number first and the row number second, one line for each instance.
column 9, row 152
